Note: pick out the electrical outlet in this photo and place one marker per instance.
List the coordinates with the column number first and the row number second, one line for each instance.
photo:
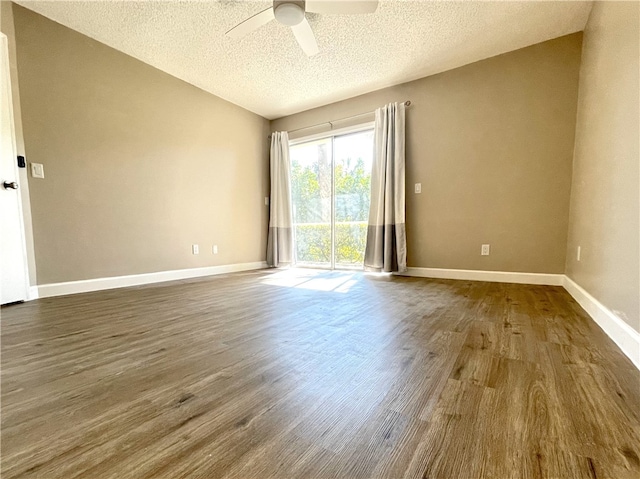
column 215, row 249
column 485, row 250
column 418, row 188
column 578, row 254
column 195, row 249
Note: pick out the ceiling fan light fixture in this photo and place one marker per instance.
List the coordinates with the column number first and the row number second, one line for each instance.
column 289, row 14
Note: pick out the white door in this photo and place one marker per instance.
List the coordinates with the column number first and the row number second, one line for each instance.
column 13, row 266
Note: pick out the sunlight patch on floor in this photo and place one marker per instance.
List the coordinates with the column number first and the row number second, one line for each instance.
column 313, row 279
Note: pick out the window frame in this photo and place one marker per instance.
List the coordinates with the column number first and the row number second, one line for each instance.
column 331, row 134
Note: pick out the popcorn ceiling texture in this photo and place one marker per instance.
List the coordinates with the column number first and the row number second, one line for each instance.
column 267, row 72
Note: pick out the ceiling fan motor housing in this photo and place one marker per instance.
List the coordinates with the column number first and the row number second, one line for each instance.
column 289, row 12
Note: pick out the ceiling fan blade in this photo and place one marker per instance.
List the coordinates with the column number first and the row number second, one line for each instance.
column 251, row 24
column 305, row 37
column 341, row 6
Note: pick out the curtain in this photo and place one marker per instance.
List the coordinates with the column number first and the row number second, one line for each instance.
column 386, row 248
column 280, row 238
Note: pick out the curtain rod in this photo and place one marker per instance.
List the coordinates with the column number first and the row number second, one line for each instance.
column 406, row 103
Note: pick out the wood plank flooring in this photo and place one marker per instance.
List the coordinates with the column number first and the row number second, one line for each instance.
column 306, row 374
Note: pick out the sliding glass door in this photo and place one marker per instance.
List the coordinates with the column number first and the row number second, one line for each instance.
column 311, row 191
column 331, row 181
column 352, row 192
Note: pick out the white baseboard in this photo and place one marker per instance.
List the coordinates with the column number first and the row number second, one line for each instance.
column 98, row 284
column 627, row 338
column 493, row 276
column 32, row 293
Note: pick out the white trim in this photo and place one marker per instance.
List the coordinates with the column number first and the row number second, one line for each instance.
column 98, row 284
column 347, row 130
column 479, row 275
column 33, row 293
column 627, row 338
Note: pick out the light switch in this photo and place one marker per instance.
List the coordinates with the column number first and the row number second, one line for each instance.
column 37, row 170
column 418, row 187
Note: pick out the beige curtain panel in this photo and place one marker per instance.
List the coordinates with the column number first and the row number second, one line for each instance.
column 386, row 248
column 280, row 238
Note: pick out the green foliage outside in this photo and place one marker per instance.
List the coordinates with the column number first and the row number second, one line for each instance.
column 311, row 194
column 313, row 243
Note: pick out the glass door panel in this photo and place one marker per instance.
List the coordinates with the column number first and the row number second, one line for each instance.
column 311, row 191
column 330, row 189
column 353, row 156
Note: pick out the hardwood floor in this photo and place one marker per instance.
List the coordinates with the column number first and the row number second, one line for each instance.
column 315, row 374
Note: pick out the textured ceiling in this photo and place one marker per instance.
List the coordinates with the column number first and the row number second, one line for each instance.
column 267, row 72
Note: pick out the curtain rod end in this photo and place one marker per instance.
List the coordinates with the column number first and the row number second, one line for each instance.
column 407, row 103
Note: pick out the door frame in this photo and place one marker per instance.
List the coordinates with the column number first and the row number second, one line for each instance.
column 369, row 125
column 5, row 83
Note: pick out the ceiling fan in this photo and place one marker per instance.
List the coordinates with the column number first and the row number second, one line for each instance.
column 292, row 14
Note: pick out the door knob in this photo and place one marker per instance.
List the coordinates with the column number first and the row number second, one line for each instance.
column 10, row 185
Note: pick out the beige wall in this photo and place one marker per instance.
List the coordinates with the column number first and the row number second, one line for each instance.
column 138, row 164
column 7, row 27
column 605, row 196
column 492, row 144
